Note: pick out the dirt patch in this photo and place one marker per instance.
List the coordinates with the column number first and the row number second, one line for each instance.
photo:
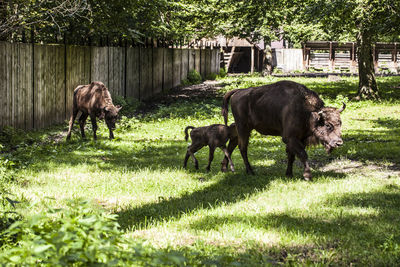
column 207, row 89
column 348, row 166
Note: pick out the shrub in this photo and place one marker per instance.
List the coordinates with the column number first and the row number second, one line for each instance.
column 211, row 76
column 81, row 236
column 193, row 77
column 222, row 72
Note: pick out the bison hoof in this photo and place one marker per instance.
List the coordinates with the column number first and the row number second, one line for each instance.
column 224, row 169
column 233, row 169
column 307, row 176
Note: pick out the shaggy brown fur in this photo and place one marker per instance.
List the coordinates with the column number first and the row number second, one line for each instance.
column 93, row 100
column 286, row 109
column 213, row 136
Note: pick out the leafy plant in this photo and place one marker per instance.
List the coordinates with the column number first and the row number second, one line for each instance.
column 193, row 77
column 78, row 235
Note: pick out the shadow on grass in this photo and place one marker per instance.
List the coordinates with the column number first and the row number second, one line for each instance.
column 356, row 226
column 233, row 188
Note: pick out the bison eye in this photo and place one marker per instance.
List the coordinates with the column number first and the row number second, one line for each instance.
column 329, row 127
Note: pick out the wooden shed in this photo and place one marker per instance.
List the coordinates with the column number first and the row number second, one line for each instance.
column 241, row 55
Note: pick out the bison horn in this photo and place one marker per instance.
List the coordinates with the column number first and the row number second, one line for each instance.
column 342, row 108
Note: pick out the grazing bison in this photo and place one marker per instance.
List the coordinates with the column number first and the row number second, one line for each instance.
column 93, row 100
column 286, row 109
column 213, row 136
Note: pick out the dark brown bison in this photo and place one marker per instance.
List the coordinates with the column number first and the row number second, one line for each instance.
column 286, row 109
column 93, row 100
column 213, row 136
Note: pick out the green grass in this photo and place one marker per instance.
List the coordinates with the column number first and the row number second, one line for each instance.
column 349, row 214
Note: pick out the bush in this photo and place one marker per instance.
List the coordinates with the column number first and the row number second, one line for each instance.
column 222, row 73
column 79, row 236
column 211, row 76
column 193, row 77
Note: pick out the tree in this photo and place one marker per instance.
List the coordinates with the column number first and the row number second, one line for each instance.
column 367, row 21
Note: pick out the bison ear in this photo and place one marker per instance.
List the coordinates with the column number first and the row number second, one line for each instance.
column 318, row 118
column 342, row 108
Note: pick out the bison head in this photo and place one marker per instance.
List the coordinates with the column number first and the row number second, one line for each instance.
column 111, row 115
column 327, row 127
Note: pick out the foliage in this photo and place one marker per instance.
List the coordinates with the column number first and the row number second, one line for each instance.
column 222, row 72
column 193, row 77
column 78, row 235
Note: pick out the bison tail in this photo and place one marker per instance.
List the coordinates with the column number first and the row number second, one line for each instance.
column 225, row 105
column 186, row 132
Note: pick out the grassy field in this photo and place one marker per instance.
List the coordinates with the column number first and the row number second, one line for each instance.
column 348, row 214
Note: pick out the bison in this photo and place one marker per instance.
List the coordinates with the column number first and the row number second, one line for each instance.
column 93, row 100
column 287, row 109
column 213, row 136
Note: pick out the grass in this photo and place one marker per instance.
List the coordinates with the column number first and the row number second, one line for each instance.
column 348, row 215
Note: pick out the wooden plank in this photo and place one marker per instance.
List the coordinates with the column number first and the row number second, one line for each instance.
column 191, row 63
column 99, row 64
column 116, row 70
column 19, row 108
column 203, row 63
column 168, row 68
column 132, row 73
column 218, row 60
column 59, row 86
column 146, row 73
column 13, row 89
column 3, row 84
column 177, row 57
column 8, row 102
column 28, row 96
column 49, row 85
column 37, row 84
column 71, row 84
column 184, row 63
column 158, row 57
column 197, row 60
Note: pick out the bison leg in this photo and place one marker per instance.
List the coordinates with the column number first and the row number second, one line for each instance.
column 111, row 134
column 289, row 170
column 210, row 157
column 94, row 125
column 228, row 156
column 243, row 144
column 82, row 121
column 231, row 146
column 71, row 123
column 294, row 146
column 193, row 148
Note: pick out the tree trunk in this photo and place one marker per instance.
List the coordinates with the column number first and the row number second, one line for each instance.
column 367, row 88
column 267, row 58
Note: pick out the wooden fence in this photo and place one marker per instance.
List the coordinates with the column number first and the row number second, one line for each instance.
column 37, row 81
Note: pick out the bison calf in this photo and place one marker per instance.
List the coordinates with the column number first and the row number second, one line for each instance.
column 213, row 136
column 93, row 100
